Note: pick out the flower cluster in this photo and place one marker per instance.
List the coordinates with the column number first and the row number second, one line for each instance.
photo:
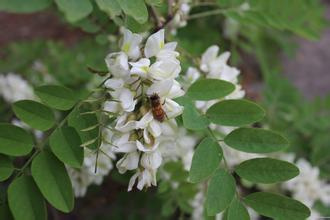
column 142, row 88
column 180, row 18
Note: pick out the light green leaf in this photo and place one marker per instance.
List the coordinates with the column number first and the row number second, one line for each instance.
column 220, row 192
column 256, row 140
column 19, row 6
column 36, row 115
column 53, row 181
column 75, row 10
column 266, row 170
column 81, row 122
column 205, row 161
column 65, row 144
column 6, row 168
column 235, row 113
column 14, row 141
column 57, row 97
column 135, row 8
column 111, row 7
column 277, row 206
column 25, row 200
column 208, row 89
column 237, row 211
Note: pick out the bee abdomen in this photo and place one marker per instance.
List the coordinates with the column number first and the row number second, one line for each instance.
column 158, row 113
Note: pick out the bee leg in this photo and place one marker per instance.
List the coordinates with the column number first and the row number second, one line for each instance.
column 164, row 102
column 166, row 116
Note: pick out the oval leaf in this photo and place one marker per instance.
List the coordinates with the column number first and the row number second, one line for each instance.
column 75, row 10
column 266, row 170
column 53, row 181
column 14, row 141
column 135, row 8
column 220, row 192
column 65, row 144
column 208, row 89
column 235, row 113
column 237, row 211
column 25, row 200
column 57, row 97
column 192, row 119
column 34, row 114
column 256, row 140
column 277, row 206
column 205, row 161
column 6, row 168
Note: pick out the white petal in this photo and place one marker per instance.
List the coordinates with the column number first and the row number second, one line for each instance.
column 145, row 148
column 208, row 56
column 151, row 160
column 145, row 120
column 114, row 83
column 154, row 44
column 123, row 125
column 162, row 88
column 141, row 67
column 154, row 128
column 132, row 181
column 170, row 46
column 131, row 44
column 126, row 98
column 111, row 106
column 172, row 108
column 165, row 69
column 125, row 148
column 117, row 64
column 176, row 90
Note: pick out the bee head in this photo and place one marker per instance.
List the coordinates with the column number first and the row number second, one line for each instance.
column 154, row 97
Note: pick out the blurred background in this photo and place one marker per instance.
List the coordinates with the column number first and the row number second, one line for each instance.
column 284, row 66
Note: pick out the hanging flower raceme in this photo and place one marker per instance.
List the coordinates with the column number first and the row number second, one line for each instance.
column 142, row 90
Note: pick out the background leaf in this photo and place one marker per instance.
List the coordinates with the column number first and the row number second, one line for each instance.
column 111, row 7
column 75, row 10
column 34, row 114
column 266, row 170
column 57, row 97
column 65, row 144
column 18, row 6
column 53, row 181
column 235, row 113
column 237, row 211
column 256, row 140
column 135, row 8
column 220, row 192
column 208, row 89
column 25, row 200
column 14, row 141
column 277, row 206
column 6, row 168
column 205, row 161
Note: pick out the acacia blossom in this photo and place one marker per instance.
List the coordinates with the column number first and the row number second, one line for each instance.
column 137, row 75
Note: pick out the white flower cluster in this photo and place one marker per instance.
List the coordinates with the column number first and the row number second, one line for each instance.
column 85, row 176
column 180, row 18
column 142, row 89
column 13, row 88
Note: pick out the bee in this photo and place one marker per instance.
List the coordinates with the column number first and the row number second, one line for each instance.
column 156, row 108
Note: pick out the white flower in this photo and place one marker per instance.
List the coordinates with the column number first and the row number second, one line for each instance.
column 150, row 126
column 165, row 69
column 124, row 124
column 141, row 67
column 151, row 160
column 208, row 56
column 146, row 178
column 192, row 75
column 131, row 44
column 129, row 161
column 117, row 64
column 147, row 147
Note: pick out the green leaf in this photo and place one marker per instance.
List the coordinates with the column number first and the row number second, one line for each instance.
column 34, row 114
column 135, row 8
column 65, row 144
column 6, row 168
column 75, row 10
column 19, row 6
column 81, row 122
column 277, row 206
column 237, row 211
column 53, row 181
column 111, row 7
column 235, row 113
column 5, row 212
column 256, row 140
column 25, row 200
column 205, row 161
column 14, row 141
column 220, row 192
column 266, row 170
column 208, row 89
column 57, row 97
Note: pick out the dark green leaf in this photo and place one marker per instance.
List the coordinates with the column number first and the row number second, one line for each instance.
column 25, row 200
column 57, row 97
column 6, row 168
column 65, row 144
column 5, row 212
column 135, row 8
column 19, row 6
column 53, row 181
column 208, row 89
column 205, row 161
column 235, row 113
column 237, row 211
column 75, row 10
column 266, row 170
column 256, row 140
column 220, row 192
column 277, row 206
column 34, row 114
column 14, row 141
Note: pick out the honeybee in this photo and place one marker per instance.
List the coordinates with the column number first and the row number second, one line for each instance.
column 156, row 108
